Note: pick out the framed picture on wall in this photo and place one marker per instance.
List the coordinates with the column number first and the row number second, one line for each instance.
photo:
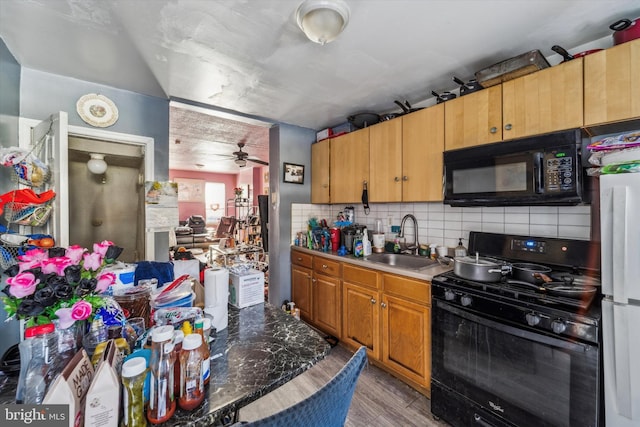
column 293, row 173
column 190, row 190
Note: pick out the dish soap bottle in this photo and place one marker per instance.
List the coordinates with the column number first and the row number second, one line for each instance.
column 366, row 244
column 396, row 246
column 460, row 250
column 358, row 246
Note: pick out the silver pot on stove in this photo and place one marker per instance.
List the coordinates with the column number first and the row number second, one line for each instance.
column 481, row 269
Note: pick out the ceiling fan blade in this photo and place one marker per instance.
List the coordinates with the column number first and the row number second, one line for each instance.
column 262, row 162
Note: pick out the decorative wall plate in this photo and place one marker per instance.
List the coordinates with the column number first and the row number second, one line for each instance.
column 97, row 110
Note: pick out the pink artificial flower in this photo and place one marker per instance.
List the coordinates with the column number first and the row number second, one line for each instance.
column 28, row 265
column 81, row 310
column 74, row 253
column 22, row 284
column 92, row 261
column 36, row 254
column 105, row 280
column 64, row 318
column 55, row 265
column 102, row 247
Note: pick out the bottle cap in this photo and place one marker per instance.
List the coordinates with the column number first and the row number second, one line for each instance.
column 192, row 341
column 134, row 366
column 206, row 323
column 198, row 324
column 163, row 333
column 39, row 330
column 178, row 336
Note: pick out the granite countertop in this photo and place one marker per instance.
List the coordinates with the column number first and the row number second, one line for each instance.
column 423, row 274
column 261, row 349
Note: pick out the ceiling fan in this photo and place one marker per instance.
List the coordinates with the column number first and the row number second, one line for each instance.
column 241, row 158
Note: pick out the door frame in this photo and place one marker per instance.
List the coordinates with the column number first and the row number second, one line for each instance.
column 147, row 143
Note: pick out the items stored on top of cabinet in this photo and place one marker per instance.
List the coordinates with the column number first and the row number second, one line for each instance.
column 442, row 97
column 468, row 87
column 512, row 68
column 362, row 120
column 568, row 57
column 625, row 30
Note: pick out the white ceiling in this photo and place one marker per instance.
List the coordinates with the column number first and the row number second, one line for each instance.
column 250, row 57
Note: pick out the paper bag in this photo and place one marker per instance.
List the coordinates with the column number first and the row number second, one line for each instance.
column 102, row 405
column 70, row 388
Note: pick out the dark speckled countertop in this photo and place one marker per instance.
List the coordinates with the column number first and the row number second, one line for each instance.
column 261, row 349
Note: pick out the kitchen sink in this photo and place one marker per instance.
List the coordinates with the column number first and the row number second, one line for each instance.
column 410, row 262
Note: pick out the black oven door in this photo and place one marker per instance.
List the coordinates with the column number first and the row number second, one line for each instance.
column 518, row 376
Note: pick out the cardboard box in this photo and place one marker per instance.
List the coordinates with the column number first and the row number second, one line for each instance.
column 71, row 386
column 246, row 289
column 323, row 134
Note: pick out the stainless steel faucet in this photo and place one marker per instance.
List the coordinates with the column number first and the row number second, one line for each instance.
column 416, row 245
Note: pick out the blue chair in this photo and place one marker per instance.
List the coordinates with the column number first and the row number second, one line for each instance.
column 327, row 407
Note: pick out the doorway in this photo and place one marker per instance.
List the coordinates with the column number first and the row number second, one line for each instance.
column 108, row 206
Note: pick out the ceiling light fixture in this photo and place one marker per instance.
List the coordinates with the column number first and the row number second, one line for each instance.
column 322, row 20
column 96, row 164
column 241, row 162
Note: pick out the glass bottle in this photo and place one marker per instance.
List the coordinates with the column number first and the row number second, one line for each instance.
column 162, row 402
column 43, row 368
column 134, row 373
column 178, row 338
column 206, row 353
column 191, row 382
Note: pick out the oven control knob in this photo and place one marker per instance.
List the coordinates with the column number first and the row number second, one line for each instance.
column 449, row 295
column 558, row 326
column 466, row 300
column 532, row 319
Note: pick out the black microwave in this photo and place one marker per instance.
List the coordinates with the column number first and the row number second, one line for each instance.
column 541, row 170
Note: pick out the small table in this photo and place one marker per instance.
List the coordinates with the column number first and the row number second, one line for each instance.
column 261, row 349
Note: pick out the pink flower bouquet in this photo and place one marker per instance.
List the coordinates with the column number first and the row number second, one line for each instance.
column 59, row 283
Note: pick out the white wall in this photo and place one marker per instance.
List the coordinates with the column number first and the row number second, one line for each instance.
column 443, row 224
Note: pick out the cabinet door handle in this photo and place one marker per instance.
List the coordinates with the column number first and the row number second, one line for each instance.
column 373, row 300
column 325, row 186
column 396, row 179
column 314, row 280
column 325, row 266
column 493, row 129
column 299, row 259
column 507, row 126
column 405, row 178
column 383, row 305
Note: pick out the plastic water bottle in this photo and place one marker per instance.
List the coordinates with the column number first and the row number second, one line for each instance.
column 43, row 368
column 134, row 372
column 162, row 404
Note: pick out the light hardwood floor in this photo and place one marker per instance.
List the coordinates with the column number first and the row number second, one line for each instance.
column 379, row 400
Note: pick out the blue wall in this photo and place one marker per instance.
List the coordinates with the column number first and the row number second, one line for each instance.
column 42, row 94
column 9, row 113
column 289, row 144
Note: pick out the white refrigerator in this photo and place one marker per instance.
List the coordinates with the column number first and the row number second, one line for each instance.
column 620, row 229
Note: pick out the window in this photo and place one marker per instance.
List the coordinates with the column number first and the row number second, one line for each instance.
column 214, row 196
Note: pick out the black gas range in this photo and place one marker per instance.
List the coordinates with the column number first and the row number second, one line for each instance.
column 507, row 353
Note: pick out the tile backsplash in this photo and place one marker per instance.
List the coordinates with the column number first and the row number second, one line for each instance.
column 443, row 224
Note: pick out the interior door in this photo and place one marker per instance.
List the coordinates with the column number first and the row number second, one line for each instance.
column 56, row 157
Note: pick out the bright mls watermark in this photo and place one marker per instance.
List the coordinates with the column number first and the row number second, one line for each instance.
column 34, row 415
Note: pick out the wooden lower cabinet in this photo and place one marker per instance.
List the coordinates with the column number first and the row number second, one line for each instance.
column 316, row 290
column 361, row 309
column 326, row 304
column 406, row 340
column 387, row 313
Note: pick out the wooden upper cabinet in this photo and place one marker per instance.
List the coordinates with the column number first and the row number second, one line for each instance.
column 349, row 166
column 320, row 171
column 422, row 147
column 385, row 164
column 473, row 119
column 612, row 84
column 545, row 101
